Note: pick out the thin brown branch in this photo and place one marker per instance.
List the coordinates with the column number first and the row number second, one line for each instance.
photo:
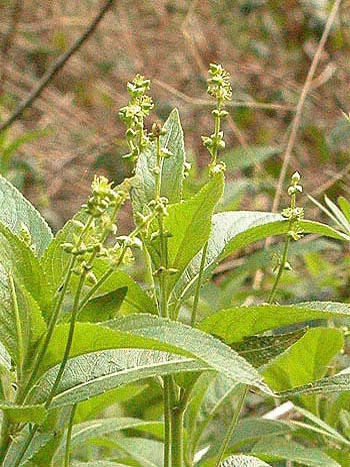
column 299, row 109
column 57, row 66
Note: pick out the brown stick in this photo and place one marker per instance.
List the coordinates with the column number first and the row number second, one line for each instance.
column 56, row 67
column 298, row 114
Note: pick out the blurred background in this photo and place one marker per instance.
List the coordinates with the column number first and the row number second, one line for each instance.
column 73, row 131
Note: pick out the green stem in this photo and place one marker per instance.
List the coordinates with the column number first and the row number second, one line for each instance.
column 107, row 274
column 20, row 343
column 177, row 448
column 198, row 286
column 149, row 271
column 5, row 425
column 167, row 420
column 69, row 341
column 62, row 367
column 281, row 266
column 158, row 174
column 69, row 436
column 53, row 319
column 232, row 426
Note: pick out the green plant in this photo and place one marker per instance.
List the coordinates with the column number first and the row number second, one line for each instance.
column 11, row 166
column 78, row 334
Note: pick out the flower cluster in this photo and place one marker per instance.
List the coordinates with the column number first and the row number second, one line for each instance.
column 98, row 221
column 294, row 213
column 139, row 106
column 219, row 85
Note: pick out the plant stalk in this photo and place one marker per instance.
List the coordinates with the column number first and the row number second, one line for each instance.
column 198, row 286
column 53, row 319
column 177, row 419
column 69, row 436
column 232, row 426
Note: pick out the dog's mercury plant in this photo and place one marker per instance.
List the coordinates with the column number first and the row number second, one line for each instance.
column 133, row 116
column 78, row 334
column 293, row 214
column 219, row 87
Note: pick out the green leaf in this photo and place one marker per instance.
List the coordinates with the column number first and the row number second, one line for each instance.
column 280, row 449
column 97, row 372
column 341, row 456
column 146, row 452
column 260, row 350
column 305, row 361
column 244, row 157
column 212, row 351
column 210, row 395
column 345, row 207
column 243, row 461
column 94, row 406
column 39, row 443
column 250, row 430
column 24, row 413
column 189, row 224
column 332, row 384
column 55, row 261
column 321, row 425
column 15, row 210
column 136, row 299
column 232, row 231
column 84, row 432
column 21, row 322
column 172, row 174
column 98, row 464
column 19, row 260
column 150, row 332
column 233, row 324
column 5, row 358
column 104, row 307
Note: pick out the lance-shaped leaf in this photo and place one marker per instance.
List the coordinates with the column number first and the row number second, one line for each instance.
column 146, row 452
column 172, row 170
column 243, row 461
column 15, row 211
column 136, row 299
column 98, row 464
column 261, row 350
column 189, row 224
column 5, row 358
column 103, row 307
column 19, row 260
column 21, row 321
column 92, row 407
column 210, row 394
column 305, row 361
column 23, row 413
column 150, row 332
column 233, row 324
column 83, row 433
column 280, row 449
column 95, row 373
column 232, row 231
column 55, row 261
column 212, row 351
column 332, row 384
column 40, row 442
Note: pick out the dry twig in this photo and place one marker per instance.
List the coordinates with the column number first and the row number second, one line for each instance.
column 299, row 109
column 57, row 66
